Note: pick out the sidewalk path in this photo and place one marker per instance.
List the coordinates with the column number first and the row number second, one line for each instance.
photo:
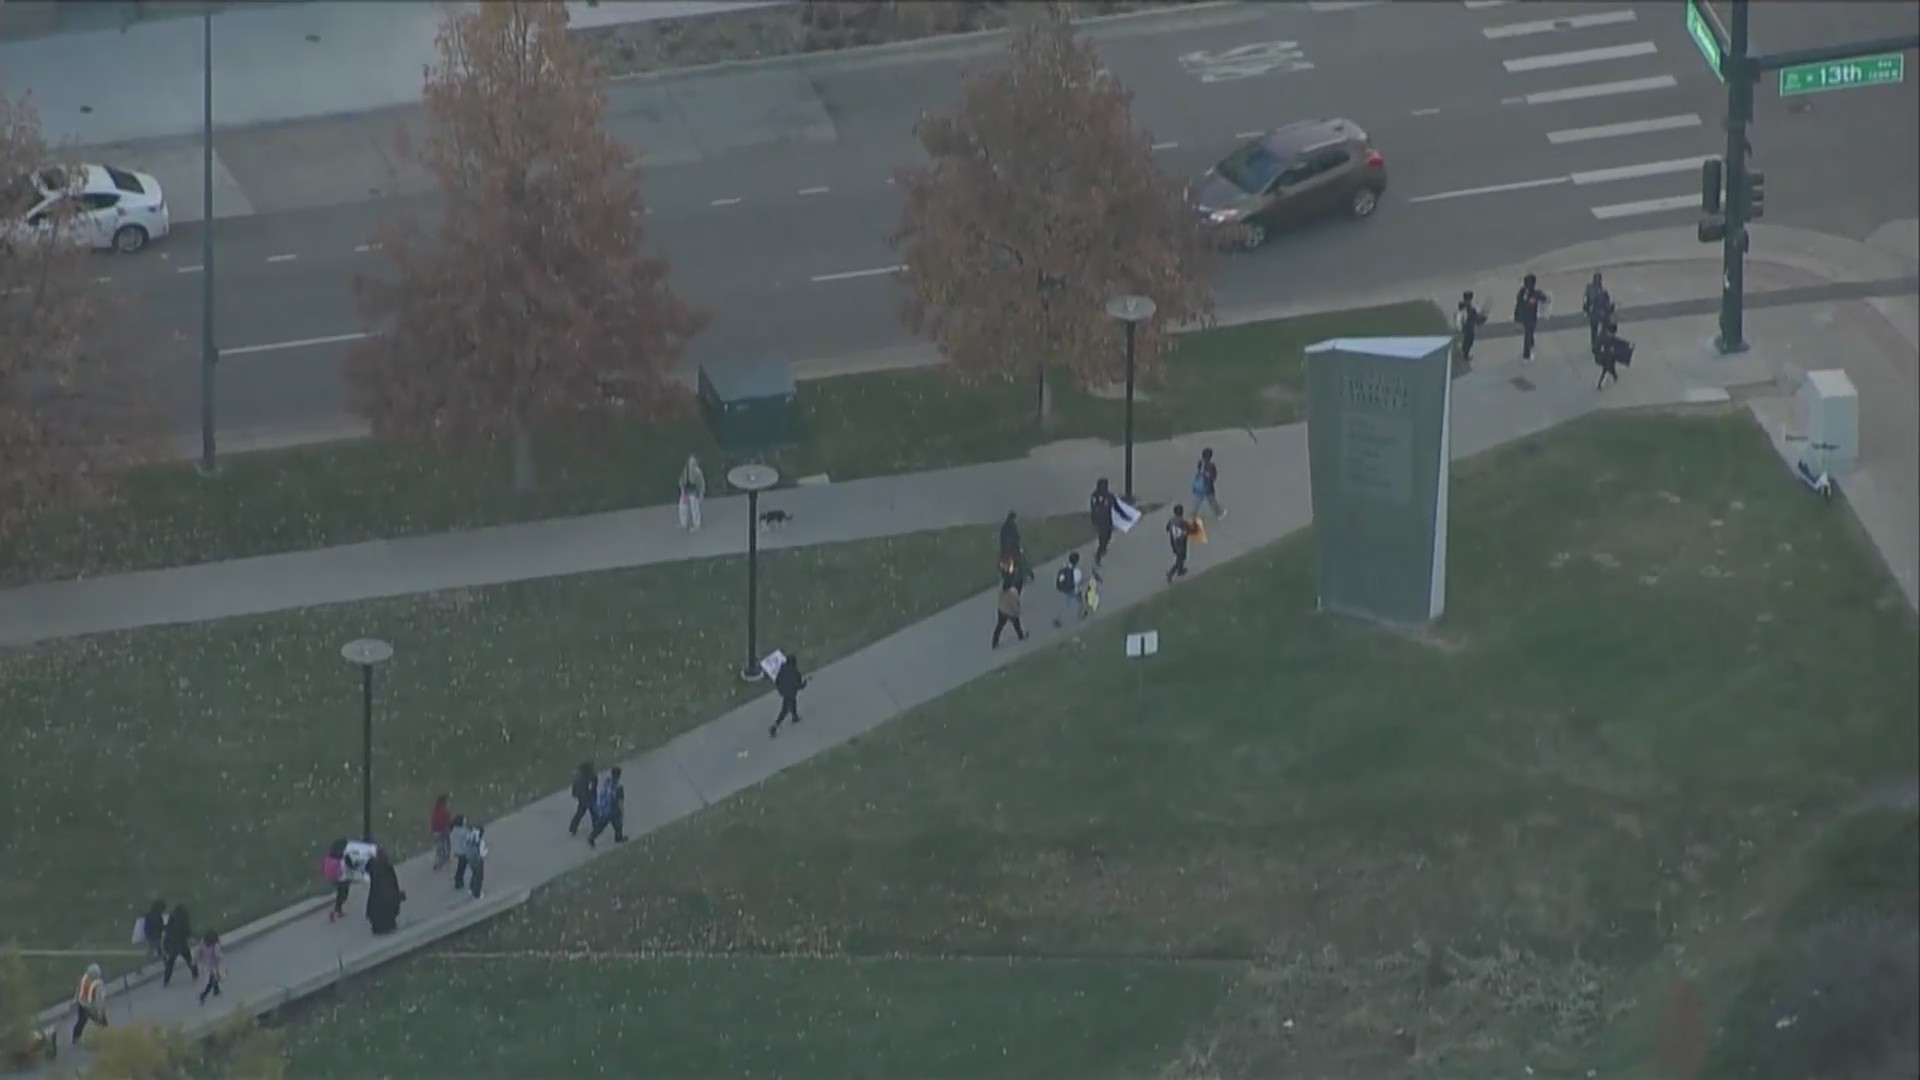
column 1265, row 485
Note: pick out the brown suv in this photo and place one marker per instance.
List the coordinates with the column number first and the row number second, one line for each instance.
column 1289, row 175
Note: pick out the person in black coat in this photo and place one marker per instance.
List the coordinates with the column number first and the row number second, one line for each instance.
column 177, row 944
column 788, row 683
column 585, row 780
column 383, row 895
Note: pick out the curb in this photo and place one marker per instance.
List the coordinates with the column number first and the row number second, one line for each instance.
column 141, row 976
column 884, row 50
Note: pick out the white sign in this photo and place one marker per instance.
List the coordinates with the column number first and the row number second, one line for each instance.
column 1246, row 61
column 1125, row 516
column 772, row 663
column 1143, row 644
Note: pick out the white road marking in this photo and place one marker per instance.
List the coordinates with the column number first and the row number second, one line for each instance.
column 1548, row 26
column 1638, row 172
column 1584, row 56
column 1245, row 61
column 1492, row 189
column 1629, row 127
column 850, row 274
column 101, row 280
column 813, row 191
column 1582, row 93
column 723, row 202
column 282, row 346
column 363, row 248
column 281, row 258
column 1425, row 112
column 1476, row 5
column 1648, row 206
column 1340, row 5
column 188, row 269
column 1249, row 134
column 1166, row 146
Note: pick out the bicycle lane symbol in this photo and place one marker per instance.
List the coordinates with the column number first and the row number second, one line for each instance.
column 1246, row 61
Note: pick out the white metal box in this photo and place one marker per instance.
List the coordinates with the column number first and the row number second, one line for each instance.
column 1829, row 409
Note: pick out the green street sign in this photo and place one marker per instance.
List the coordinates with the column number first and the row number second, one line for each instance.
column 1883, row 70
column 1703, row 38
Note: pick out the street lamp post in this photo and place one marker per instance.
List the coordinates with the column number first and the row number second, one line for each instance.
column 752, row 479
column 1131, row 310
column 209, row 353
column 367, row 654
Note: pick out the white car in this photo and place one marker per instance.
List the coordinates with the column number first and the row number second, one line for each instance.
column 102, row 207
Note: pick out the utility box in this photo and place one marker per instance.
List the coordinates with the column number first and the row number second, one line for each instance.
column 750, row 403
column 1829, row 409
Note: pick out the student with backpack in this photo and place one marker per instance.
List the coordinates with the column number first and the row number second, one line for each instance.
column 1467, row 321
column 214, row 961
column 1611, row 352
column 610, row 809
column 1008, row 614
column 788, row 683
column 477, row 858
column 1068, row 582
column 461, row 838
column 1100, row 509
column 584, row 779
column 1528, row 305
column 178, row 945
column 1179, row 531
column 151, row 930
column 440, row 824
column 1206, row 482
column 1597, row 305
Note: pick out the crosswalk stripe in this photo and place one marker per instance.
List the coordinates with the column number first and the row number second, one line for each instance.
column 1646, row 206
column 1582, row 93
column 1629, row 127
column 1548, row 26
column 1638, row 172
column 1583, row 56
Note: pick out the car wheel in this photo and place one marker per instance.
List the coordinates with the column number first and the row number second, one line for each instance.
column 1254, row 236
column 129, row 239
column 1363, row 202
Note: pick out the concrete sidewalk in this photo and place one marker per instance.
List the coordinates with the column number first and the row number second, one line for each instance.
column 1266, row 488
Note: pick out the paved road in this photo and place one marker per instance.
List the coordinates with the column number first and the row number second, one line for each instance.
column 1510, row 129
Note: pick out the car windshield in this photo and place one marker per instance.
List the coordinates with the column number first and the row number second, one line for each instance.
column 125, row 181
column 1251, row 168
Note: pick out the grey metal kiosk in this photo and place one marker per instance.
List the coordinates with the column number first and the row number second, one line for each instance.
column 750, row 402
column 1379, row 442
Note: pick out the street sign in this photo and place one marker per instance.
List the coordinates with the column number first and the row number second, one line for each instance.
column 1883, row 70
column 1703, row 39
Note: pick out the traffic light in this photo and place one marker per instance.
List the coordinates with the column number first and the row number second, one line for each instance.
column 1713, row 229
column 1710, row 182
column 1756, row 194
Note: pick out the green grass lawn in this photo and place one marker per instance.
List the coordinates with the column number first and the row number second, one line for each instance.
column 210, row 763
column 1286, row 846
column 857, row 426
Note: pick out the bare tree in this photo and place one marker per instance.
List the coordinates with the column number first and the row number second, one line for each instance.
column 1038, row 203
column 533, row 309
column 74, row 391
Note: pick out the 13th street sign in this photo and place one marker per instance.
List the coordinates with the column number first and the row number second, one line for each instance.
column 1883, row 70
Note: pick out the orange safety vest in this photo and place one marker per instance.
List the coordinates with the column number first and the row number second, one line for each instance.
column 88, row 995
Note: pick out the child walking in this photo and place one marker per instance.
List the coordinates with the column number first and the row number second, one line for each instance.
column 213, row 962
column 441, row 823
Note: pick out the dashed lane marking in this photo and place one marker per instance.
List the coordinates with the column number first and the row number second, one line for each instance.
column 1582, row 93
column 281, row 258
column 850, row 274
column 1549, row 26
column 196, row 268
column 1647, row 206
column 1582, row 56
column 1166, row 146
column 724, row 202
column 813, row 191
column 282, row 346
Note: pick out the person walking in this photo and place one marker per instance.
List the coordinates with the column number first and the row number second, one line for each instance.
column 584, row 780
column 1067, row 583
column 214, row 961
column 1010, row 547
column 1597, row 305
column 440, row 822
column 178, row 945
column 347, row 861
column 693, row 492
column 1206, row 485
column 1179, row 531
column 1008, row 615
column 153, row 930
column 1611, row 352
column 1100, row 510
column 88, row 1006
column 788, row 683
column 610, row 810
column 1528, row 304
column 462, row 839
column 477, row 858
column 1467, row 321
column 383, row 894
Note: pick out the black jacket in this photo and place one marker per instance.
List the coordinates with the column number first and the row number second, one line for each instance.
column 789, row 681
column 179, row 933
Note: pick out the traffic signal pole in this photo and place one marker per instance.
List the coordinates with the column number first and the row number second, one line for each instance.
column 1732, row 204
column 1733, row 246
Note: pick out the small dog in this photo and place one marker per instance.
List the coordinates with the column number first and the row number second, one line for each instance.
column 774, row 519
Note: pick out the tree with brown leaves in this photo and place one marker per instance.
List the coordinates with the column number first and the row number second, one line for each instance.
column 1038, row 203
column 75, row 392
column 533, row 310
